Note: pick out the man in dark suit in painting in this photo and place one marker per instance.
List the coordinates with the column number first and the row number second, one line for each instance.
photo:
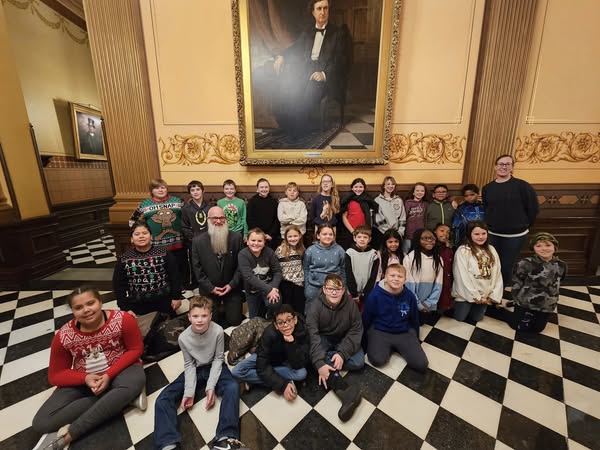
column 314, row 67
column 90, row 142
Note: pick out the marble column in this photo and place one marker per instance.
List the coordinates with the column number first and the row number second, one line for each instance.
column 501, row 73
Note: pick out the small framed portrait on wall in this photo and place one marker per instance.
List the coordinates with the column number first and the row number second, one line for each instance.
column 88, row 132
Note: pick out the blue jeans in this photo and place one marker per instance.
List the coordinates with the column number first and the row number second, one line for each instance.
column 473, row 311
column 165, row 410
column 355, row 362
column 246, row 371
column 508, row 249
column 258, row 304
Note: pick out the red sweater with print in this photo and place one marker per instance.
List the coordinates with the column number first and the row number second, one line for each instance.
column 110, row 349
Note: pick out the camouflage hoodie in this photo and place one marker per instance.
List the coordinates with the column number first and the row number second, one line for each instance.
column 536, row 283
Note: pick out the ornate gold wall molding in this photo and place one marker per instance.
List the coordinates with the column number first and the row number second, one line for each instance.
column 58, row 23
column 429, row 148
column 312, row 172
column 195, row 149
column 566, row 146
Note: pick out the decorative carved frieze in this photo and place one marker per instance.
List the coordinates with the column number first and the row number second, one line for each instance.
column 429, row 148
column 566, row 146
column 196, row 149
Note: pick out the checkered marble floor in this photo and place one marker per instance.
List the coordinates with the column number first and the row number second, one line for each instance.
column 487, row 387
column 93, row 253
column 357, row 134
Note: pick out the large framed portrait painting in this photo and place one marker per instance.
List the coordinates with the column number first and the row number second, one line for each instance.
column 88, row 132
column 315, row 80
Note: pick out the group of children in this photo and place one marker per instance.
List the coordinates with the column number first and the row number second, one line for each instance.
column 328, row 304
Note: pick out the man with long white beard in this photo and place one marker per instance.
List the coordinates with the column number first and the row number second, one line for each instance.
column 215, row 263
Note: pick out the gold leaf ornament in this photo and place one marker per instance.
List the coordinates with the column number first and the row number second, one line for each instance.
column 196, row 149
column 429, row 148
column 566, row 146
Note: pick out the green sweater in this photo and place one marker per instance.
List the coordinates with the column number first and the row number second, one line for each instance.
column 163, row 219
column 235, row 211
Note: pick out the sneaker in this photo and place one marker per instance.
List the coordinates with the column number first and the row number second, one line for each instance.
column 229, row 444
column 141, row 401
column 45, row 440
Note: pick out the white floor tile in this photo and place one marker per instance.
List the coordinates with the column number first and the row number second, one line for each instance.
column 538, row 407
column 8, row 306
column 83, row 260
column 440, row 360
column 579, row 354
column 537, row 358
column 416, row 418
column 32, row 309
column 329, row 406
column 483, row 412
column 32, row 331
column 278, row 415
column 24, row 366
column 487, row 358
column 394, row 366
column 5, row 327
column 496, row 326
column 575, row 303
column 579, row 325
column 2, row 355
column 456, row 328
column 359, row 127
column 27, row 294
column 18, row 417
column 582, row 398
column 576, row 445
column 206, row 420
column 345, row 139
column 500, row 446
column 172, row 366
column 424, row 330
column 105, row 260
column 551, row 330
column 63, row 310
column 141, row 423
column 582, row 289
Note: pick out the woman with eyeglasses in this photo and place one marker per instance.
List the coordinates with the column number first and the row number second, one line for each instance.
column 511, row 206
column 281, row 356
column 424, row 273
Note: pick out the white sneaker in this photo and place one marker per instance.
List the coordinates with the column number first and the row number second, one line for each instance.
column 46, row 440
column 141, row 401
column 229, row 444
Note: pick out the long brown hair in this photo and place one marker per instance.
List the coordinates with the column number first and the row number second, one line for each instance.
column 285, row 247
column 335, row 196
column 485, row 247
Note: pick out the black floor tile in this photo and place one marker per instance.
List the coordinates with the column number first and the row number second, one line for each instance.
column 60, row 300
column 9, row 297
column 539, row 380
column 310, row 391
column 23, row 388
column 492, row 341
column 520, row 432
column 373, row 384
column 112, row 435
column 451, row 432
column 553, row 318
column 596, row 307
column 446, row 341
column 191, row 439
column 430, row 384
column 574, row 294
column 4, row 340
column 593, row 290
column 583, row 428
column 380, row 432
column 540, row 341
column 7, row 315
column 34, row 299
column 579, row 338
column 155, row 379
column 32, row 319
column 481, row 380
column 60, row 321
column 255, row 395
column 28, row 347
column 254, row 434
column 364, row 138
column 588, row 316
column 146, row 444
column 581, row 374
column 314, row 431
column 25, row 439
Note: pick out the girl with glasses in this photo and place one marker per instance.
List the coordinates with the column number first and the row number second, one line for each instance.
column 326, row 205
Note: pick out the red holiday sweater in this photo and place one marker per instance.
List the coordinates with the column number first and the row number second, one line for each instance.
column 111, row 349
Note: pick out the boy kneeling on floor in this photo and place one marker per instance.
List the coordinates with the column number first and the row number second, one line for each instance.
column 391, row 321
column 202, row 345
column 281, row 356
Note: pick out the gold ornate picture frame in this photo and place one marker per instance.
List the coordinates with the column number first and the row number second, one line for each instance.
column 295, row 110
column 88, row 132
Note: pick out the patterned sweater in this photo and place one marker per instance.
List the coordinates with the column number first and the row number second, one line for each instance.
column 235, row 212
column 164, row 219
column 146, row 282
column 536, row 283
column 111, row 349
column 291, row 266
column 426, row 284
